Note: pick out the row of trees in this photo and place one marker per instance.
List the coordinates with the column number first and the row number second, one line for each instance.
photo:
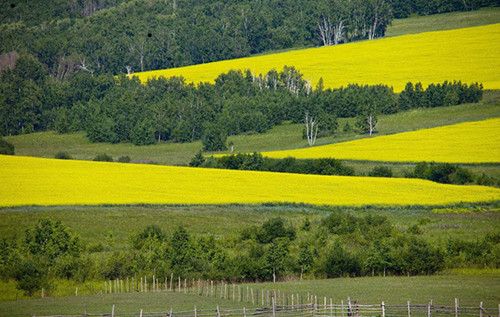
column 444, row 173
column 119, row 109
column 337, row 245
column 119, row 36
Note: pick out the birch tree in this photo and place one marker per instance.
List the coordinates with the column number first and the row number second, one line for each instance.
column 311, row 129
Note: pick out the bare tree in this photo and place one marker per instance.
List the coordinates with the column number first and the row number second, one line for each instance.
column 129, row 70
column 371, row 121
column 311, row 129
column 326, row 31
column 338, row 31
column 83, row 66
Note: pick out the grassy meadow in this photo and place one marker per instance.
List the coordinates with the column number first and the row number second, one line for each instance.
column 37, row 181
column 443, row 21
column 282, row 137
column 469, row 142
column 113, row 225
column 468, row 54
column 441, row 289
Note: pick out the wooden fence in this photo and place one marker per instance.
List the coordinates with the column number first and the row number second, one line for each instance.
column 347, row 309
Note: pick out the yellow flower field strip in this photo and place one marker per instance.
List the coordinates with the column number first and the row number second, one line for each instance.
column 468, row 142
column 37, row 181
column 468, row 54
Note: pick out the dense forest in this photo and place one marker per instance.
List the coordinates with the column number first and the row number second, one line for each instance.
column 119, row 109
column 336, row 245
column 119, row 36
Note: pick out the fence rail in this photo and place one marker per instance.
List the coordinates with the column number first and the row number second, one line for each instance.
column 347, row 309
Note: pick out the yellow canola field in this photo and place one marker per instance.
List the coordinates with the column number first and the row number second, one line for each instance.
column 468, row 54
column 468, row 142
column 37, row 181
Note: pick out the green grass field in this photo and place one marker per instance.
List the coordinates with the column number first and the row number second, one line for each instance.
column 441, row 289
column 112, row 226
column 445, row 21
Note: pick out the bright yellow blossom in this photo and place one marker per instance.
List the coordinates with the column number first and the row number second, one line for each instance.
column 468, row 54
column 37, row 181
column 468, row 142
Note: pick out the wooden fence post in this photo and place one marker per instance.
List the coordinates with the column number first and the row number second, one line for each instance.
column 349, row 307
column 218, row 311
column 331, row 307
column 409, row 310
column 244, row 312
column 171, row 312
column 342, row 307
column 481, row 309
column 140, row 315
column 456, row 307
column 429, row 307
column 113, row 311
column 383, row 309
column 274, row 308
column 195, row 311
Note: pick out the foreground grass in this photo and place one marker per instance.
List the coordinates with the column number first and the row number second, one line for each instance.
column 469, row 142
column 287, row 136
column 442, row 290
column 444, row 21
column 468, row 54
column 124, row 303
column 36, row 181
column 112, row 226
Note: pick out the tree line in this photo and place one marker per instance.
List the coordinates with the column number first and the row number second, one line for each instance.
column 119, row 109
column 336, row 245
column 125, row 36
column 444, row 173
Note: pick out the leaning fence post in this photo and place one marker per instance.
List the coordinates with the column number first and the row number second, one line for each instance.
column 383, row 309
column 456, row 307
column 274, row 307
column 349, row 307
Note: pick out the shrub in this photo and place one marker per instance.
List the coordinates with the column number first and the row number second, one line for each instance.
column 124, row 159
column 197, row 160
column 63, row 156
column 381, row 171
column 6, row 148
column 103, row 158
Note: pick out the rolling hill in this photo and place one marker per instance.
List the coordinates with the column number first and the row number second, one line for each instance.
column 468, row 54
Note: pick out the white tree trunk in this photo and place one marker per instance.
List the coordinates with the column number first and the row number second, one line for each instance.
column 371, row 124
column 325, row 31
column 338, row 30
column 311, row 129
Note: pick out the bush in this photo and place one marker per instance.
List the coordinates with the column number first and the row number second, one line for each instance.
column 63, row 156
column 380, row 171
column 6, row 148
column 124, row 159
column 103, row 158
column 197, row 160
